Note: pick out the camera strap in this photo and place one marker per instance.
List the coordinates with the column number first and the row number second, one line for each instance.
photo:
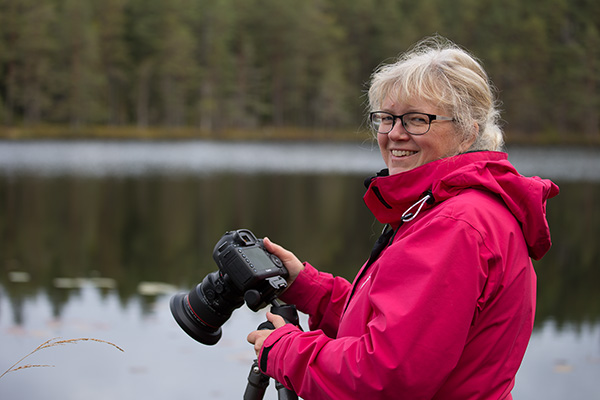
column 382, row 242
column 388, row 234
column 386, row 237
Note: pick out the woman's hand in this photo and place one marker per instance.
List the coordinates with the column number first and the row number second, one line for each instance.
column 257, row 338
column 294, row 267
column 291, row 262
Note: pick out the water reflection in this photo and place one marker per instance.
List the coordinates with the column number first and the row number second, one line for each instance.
column 59, row 230
column 100, row 256
column 116, row 233
column 569, row 274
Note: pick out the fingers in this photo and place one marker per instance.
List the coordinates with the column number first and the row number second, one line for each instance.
column 289, row 259
column 257, row 338
column 278, row 250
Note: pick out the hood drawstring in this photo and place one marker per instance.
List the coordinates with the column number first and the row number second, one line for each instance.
column 428, row 198
column 388, row 235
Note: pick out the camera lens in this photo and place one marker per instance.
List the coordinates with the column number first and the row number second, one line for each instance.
column 247, row 271
column 202, row 311
column 190, row 323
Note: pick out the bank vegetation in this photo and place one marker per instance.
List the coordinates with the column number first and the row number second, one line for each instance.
column 279, row 68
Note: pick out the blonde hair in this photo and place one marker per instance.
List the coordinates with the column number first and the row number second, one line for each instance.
column 441, row 73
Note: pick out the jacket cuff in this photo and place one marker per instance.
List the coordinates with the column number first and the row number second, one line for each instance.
column 270, row 343
column 297, row 293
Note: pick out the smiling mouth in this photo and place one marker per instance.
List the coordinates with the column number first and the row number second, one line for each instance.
column 403, row 153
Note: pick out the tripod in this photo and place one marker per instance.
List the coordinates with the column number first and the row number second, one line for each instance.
column 257, row 381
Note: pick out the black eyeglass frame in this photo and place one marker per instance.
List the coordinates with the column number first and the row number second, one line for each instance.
column 432, row 117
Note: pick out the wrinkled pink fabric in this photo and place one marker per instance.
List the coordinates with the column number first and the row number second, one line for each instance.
column 445, row 312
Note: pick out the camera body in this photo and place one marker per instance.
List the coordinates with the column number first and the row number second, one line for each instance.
column 247, row 272
column 249, row 266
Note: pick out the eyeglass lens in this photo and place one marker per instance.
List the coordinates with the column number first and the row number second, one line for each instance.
column 414, row 123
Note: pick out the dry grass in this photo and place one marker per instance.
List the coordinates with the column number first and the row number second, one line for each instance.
column 52, row 343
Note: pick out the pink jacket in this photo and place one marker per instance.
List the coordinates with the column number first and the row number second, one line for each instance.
column 447, row 309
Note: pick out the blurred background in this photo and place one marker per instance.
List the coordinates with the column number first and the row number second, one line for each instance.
column 212, row 68
column 134, row 133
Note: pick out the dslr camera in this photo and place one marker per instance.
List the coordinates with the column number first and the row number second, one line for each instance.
column 247, row 273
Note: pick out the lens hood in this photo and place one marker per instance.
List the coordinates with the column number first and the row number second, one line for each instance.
column 191, row 324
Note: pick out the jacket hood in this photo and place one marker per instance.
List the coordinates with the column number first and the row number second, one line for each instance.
column 388, row 197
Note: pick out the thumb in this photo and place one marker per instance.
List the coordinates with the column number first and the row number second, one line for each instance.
column 276, row 320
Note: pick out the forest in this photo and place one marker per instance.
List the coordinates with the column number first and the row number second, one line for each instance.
column 237, row 67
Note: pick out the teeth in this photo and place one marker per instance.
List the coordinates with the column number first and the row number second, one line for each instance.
column 402, row 153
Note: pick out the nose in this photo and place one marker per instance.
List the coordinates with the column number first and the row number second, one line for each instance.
column 398, row 132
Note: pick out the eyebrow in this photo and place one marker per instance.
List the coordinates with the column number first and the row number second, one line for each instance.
column 407, row 106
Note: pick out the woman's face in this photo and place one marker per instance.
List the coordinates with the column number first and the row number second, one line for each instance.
column 402, row 152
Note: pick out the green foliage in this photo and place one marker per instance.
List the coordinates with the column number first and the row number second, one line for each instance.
column 217, row 65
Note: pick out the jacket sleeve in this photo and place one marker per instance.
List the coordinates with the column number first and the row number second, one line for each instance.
column 320, row 295
column 421, row 294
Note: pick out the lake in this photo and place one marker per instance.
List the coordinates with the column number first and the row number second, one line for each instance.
column 96, row 236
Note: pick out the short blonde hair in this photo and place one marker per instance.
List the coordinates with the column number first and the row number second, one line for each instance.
column 441, row 73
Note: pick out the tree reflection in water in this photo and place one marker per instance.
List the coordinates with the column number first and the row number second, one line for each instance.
column 63, row 234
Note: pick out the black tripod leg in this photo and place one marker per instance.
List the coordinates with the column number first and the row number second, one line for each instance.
column 257, row 383
column 284, row 393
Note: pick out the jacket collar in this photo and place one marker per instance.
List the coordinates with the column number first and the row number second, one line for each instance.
column 389, row 197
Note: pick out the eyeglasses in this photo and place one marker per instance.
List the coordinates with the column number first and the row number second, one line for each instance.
column 414, row 123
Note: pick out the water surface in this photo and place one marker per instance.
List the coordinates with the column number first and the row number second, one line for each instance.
column 97, row 236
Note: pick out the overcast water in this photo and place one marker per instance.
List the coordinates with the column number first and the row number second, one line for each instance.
column 96, row 158
column 98, row 235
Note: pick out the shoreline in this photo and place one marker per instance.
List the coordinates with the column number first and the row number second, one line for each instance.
column 267, row 134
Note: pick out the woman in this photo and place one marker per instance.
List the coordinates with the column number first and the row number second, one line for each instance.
column 444, row 307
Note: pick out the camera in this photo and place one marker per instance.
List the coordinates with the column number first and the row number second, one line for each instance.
column 247, row 273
